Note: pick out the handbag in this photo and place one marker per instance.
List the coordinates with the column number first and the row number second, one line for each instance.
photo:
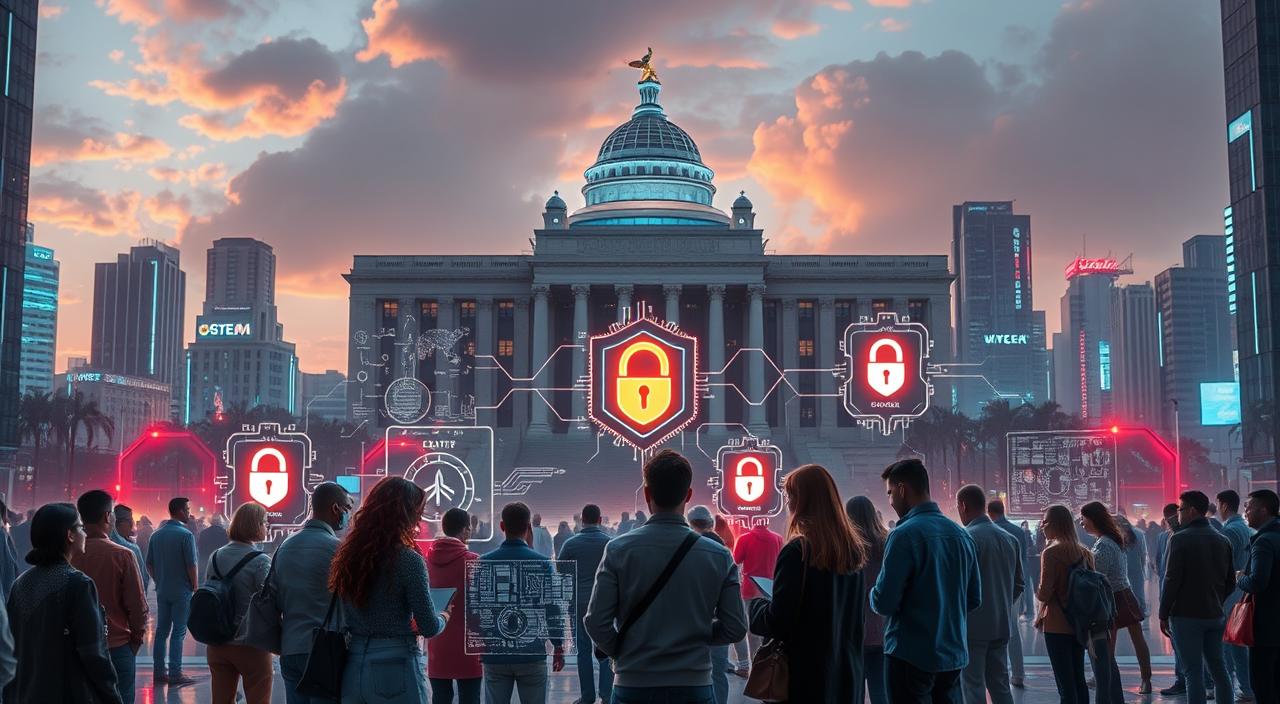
column 264, row 626
column 1128, row 612
column 322, row 676
column 770, row 678
column 1239, row 629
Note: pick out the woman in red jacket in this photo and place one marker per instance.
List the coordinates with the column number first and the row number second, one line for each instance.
column 446, row 654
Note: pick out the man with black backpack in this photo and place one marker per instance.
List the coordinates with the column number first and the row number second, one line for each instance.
column 1199, row 576
column 656, row 581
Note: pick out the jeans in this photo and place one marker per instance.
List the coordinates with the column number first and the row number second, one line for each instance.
column 1264, row 673
column 1237, row 657
column 291, row 669
column 1066, row 656
column 384, row 671
column 1106, row 673
column 663, row 695
column 1029, row 589
column 987, row 672
column 587, row 664
column 908, row 684
column 720, row 673
column 1017, row 661
column 742, row 653
column 442, row 690
column 527, row 678
column 873, row 673
column 171, row 624
column 1199, row 642
column 125, row 663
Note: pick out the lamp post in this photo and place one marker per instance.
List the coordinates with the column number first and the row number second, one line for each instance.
column 1177, row 448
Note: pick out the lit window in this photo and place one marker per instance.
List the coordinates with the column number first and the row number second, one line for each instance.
column 806, row 348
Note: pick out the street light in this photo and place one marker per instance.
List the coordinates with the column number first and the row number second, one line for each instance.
column 1177, row 447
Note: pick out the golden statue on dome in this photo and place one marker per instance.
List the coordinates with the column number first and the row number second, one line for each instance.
column 646, row 70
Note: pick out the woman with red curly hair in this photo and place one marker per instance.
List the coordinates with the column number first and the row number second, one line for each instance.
column 382, row 581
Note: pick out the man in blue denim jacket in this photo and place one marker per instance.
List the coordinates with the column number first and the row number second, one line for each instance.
column 928, row 584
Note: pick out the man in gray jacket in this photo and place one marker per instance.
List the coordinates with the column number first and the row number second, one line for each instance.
column 667, row 651
column 300, row 577
column 585, row 550
column 989, row 626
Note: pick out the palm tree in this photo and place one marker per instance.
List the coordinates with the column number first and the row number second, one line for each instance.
column 72, row 413
column 35, row 421
column 997, row 421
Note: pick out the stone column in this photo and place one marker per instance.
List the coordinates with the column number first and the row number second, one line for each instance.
column 520, row 363
column 787, row 392
column 715, row 355
column 624, row 299
column 484, row 377
column 827, row 343
column 446, row 382
column 672, row 293
column 758, row 419
column 538, row 410
column 581, row 298
column 408, row 326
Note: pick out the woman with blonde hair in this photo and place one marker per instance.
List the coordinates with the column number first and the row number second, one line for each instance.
column 816, row 606
column 244, row 568
column 1066, row 654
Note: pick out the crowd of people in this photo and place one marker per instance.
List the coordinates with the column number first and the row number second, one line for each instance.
column 669, row 606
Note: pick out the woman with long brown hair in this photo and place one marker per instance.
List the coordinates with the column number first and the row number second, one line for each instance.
column 382, row 581
column 816, row 606
column 1110, row 560
column 1066, row 654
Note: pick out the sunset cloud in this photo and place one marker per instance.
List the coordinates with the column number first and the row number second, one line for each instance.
column 148, row 13
column 205, row 173
column 60, row 135
column 169, row 209
column 60, row 202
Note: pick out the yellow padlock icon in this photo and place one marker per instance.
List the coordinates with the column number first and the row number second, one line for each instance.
column 643, row 399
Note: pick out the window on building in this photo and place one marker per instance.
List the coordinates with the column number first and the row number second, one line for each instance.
column 506, row 310
column 430, row 309
column 806, row 310
column 390, row 311
column 918, row 309
column 506, row 348
column 881, row 305
column 806, row 348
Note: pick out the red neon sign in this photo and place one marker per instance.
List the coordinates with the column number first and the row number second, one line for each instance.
column 1083, row 266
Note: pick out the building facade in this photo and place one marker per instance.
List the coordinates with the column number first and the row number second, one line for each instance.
column 134, row 403
column 18, row 23
column 1136, row 357
column 1195, row 332
column 239, row 355
column 324, row 395
column 1083, row 352
column 995, row 333
column 1251, row 65
column 138, row 314
column 39, row 317
column 479, row 331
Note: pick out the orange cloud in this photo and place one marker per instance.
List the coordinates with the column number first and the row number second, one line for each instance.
column 889, row 3
column 169, row 209
column 794, row 28
column 73, row 206
column 395, row 39
column 204, row 173
column 890, row 24
column 49, row 10
column 121, row 146
column 148, row 13
column 272, row 114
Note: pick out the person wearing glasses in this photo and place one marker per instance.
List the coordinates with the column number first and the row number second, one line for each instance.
column 59, row 637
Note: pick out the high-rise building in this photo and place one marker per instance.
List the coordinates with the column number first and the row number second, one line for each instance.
column 324, row 395
column 991, row 253
column 19, row 27
column 1135, row 354
column 1249, row 28
column 1195, row 333
column 1083, row 351
column 1043, row 387
column 39, row 317
column 138, row 303
column 239, row 355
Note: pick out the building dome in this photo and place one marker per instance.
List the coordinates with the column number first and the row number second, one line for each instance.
column 743, row 201
column 555, row 202
column 649, row 172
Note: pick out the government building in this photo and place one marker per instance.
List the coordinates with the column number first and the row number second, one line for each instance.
column 500, row 339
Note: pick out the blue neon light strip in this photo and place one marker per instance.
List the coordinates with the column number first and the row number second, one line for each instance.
column 1104, row 364
column 8, row 56
column 155, row 294
column 1253, row 280
column 1238, row 128
column 293, row 360
column 1160, row 335
column 186, row 415
column 4, row 301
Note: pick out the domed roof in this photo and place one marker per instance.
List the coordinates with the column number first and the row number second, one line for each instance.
column 649, row 134
column 555, row 202
column 743, row 201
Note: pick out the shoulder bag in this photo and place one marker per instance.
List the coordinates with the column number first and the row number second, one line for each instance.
column 263, row 626
column 1239, row 629
column 322, row 676
column 770, row 678
column 647, row 600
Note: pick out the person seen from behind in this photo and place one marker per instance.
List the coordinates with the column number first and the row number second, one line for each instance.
column 300, row 578
column 563, row 533
column 1238, row 533
column 756, row 552
column 209, row 540
column 1017, row 663
column 816, row 606
column 1061, row 553
column 171, row 561
column 124, row 534
column 1135, row 554
column 1198, row 579
column 447, row 659
column 990, row 625
column 702, row 521
column 862, row 513
column 234, row 660
column 662, row 652
column 928, row 584
column 1261, row 579
column 585, row 550
column 114, row 572
column 543, row 543
column 1109, row 559
column 382, row 581
column 59, row 636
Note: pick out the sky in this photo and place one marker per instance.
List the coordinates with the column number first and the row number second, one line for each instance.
column 329, row 128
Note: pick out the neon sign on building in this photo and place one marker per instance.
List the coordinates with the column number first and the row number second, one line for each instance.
column 1017, row 268
column 1084, row 266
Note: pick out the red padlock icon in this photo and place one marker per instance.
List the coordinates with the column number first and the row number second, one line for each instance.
column 266, row 487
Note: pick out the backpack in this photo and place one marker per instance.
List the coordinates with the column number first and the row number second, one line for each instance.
column 1090, row 606
column 213, row 611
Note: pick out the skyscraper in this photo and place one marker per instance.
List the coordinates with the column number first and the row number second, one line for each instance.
column 1251, row 72
column 1135, row 354
column 239, row 355
column 1083, row 352
column 1195, row 330
column 18, row 23
column 991, row 252
column 39, row 317
column 138, row 303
